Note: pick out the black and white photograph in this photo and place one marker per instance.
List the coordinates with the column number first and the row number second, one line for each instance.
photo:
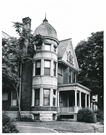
column 52, row 66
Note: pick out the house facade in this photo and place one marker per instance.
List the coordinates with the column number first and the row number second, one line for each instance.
column 54, row 90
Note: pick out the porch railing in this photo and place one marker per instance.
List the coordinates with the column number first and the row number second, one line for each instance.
column 65, row 109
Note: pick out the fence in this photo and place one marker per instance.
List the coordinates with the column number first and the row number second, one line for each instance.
column 95, row 130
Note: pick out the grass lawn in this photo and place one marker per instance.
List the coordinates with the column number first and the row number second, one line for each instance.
column 66, row 126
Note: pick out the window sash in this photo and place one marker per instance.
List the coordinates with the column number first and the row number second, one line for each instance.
column 47, row 64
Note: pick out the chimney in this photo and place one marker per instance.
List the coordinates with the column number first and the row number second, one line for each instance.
column 27, row 23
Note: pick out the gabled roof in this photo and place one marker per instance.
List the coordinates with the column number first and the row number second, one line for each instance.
column 5, row 35
column 62, row 47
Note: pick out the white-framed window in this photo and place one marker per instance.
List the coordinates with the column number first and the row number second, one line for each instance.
column 47, row 47
column 13, row 98
column 38, row 67
column 70, row 75
column 46, row 97
column 5, row 96
column 54, row 68
column 37, row 95
column 47, row 64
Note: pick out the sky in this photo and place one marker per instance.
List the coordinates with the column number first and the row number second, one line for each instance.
column 75, row 19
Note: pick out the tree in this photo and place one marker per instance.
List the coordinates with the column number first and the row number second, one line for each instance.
column 90, row 59
column 15, row 52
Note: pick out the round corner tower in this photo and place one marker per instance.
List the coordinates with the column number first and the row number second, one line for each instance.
column 44, row 81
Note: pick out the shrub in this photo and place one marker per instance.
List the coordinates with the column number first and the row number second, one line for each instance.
column 86, row 115
column 26, row 118
column 100, row 116
column 7, row 125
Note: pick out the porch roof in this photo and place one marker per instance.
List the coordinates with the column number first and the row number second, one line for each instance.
column 73, row 86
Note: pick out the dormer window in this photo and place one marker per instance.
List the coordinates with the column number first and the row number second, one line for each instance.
column 47, row 47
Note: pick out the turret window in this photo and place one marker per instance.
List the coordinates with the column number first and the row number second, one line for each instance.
column 38, row 67
column 47, row 67
column 47, row 47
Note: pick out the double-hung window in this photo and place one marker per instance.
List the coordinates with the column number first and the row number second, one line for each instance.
column 36, row 97
column 54, row 68
column 47, row 67
column 38, row 67
column 46, row 97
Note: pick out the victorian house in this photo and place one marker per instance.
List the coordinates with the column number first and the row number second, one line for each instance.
column 55, row 90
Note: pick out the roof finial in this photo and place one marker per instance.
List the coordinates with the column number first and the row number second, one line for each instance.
column 45, row 20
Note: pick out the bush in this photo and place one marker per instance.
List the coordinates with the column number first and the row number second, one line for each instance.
column 100, row 116
column 86, row 115
column 26, row 118
column 7, row 125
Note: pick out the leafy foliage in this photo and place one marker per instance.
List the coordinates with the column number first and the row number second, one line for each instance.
column 7, row 125
column 100, row 116
column 86, row 115
column 90, row 59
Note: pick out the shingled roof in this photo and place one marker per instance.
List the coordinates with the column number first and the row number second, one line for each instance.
column 62, row 47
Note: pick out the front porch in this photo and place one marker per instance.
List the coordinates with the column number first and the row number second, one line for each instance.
column 71, row 98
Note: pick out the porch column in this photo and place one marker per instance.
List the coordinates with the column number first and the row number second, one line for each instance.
column 51, row 97
column 41, row 96
column 33, row 96
column 89, row 101
column 75, row 97
column 85, row 100
column 42, row 66
column 56, row 99
column 80, row 98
